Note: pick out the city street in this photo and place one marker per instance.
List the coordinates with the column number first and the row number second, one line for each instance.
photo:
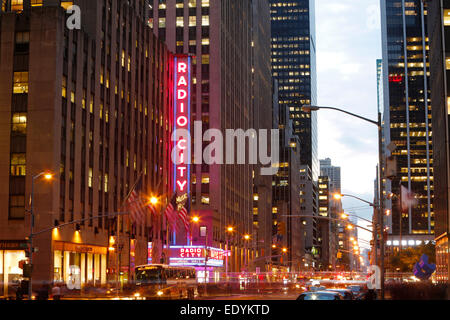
column 238, row 150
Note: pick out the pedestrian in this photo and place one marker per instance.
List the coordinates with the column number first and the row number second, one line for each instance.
column 56, row 292
column 43, row 292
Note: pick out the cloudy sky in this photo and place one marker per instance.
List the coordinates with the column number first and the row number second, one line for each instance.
column 348, row 44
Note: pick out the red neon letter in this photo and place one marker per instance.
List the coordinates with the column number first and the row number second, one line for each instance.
column 179, row 144
column 181, row 185
column 182, row 94
column 182, row 67
column 182, row 121
column 182, row 81
column 182, row 170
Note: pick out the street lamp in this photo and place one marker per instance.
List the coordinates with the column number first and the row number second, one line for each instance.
column 246, row 238
column 47, row 176
column 309, row 108
column 230, row 230
column 154, row 201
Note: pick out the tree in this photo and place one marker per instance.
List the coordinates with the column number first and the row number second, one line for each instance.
column 405, row 260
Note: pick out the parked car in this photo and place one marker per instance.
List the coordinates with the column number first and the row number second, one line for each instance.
column 346, row 294
column 320, row 295
column 356, row 290
column 316, row 288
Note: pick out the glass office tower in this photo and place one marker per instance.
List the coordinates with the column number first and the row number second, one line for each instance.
column 294, row 66
column 407, row 117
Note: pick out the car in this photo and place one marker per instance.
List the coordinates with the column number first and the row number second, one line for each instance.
column 320, row 295
column 356, row 290
column 346, row 294
column 317, row 288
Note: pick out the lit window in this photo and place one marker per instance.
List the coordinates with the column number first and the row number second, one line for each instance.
column 162, row 22
column 205, row 180
column 16, row 5
column 20, row 82
column 205, row 199
column 446, row 17
column 19, row 123
column 66, row 4
column 205, row 20
column 180, row 22
column 90, row 178
column 18, row 164
column 192, row 21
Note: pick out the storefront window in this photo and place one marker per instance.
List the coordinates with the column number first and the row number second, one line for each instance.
column 91, row 266
column 10, row 272
column 57, row 265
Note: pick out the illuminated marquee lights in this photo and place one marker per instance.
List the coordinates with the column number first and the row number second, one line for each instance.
column 195, row 256
column 182, row 120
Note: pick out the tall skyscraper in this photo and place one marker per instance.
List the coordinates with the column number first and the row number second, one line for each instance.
column 220, row 35
column 439, row 28
column 407, row 117
column 294, row 66
column 333, row 173
column 333, row 176
column 287, row 186
column 262, row 97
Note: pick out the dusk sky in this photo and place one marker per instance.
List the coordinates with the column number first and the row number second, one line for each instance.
column 348, row 45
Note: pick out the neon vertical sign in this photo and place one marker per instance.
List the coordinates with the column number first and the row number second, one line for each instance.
column 182, row 123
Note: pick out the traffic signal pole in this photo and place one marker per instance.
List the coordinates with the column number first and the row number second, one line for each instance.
column 381, row 202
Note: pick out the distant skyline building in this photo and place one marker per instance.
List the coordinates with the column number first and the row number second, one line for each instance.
column 407, row 117
column 333, row 173
column 294, row 66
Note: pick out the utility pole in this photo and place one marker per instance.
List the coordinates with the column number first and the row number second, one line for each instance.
column 381, row 201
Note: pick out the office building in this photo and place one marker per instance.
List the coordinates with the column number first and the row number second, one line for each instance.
column 91, row 107
column 294, row 66
column 333, row 175
column 288, row 248
column 438, row 28
column 324, row 238
column 407, row 119
column 219, row 35
column 262, row 109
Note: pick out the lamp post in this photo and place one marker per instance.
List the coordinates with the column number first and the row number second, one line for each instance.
column 48, row 176
column 380, row 177
column 229, row 231
column 206, row 257
column 246, row 238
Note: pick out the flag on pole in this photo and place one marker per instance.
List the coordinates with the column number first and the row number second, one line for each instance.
column 171, row 210
column 408, row 199
column 183, row 215
column 137, row 205
column 152, row 209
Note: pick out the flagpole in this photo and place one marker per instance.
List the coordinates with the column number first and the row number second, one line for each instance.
column 401, row 218
column 118, row 232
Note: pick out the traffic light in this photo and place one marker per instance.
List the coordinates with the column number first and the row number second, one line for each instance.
column 27, row 268
column 339, row 255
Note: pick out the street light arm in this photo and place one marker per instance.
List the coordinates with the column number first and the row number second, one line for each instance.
column 365, row 201
column 314, row 108
column 327, row 218
column 79, row 221
column 353, row 215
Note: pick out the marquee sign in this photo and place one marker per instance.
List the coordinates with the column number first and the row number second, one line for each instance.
column 195, row 256
column 182, row 120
